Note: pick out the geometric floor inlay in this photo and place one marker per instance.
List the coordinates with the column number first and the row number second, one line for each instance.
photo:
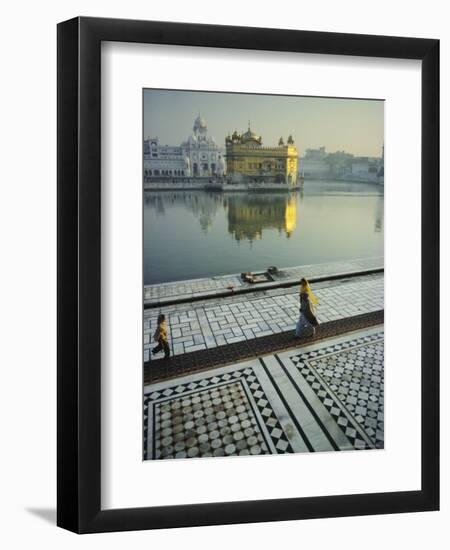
column 349, row 380
column 225, row 415
column 325, row 396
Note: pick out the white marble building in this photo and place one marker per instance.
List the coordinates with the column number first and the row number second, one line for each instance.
column 198, row 156
column 164, row 160
column 206, row 158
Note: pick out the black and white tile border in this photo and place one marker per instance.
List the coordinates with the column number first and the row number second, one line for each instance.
column 348, row 378
column 225, row 414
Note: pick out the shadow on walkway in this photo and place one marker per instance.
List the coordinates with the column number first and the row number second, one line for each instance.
column 179, row 365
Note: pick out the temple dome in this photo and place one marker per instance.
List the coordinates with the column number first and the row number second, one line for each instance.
column 249, row 136
column 199, row 122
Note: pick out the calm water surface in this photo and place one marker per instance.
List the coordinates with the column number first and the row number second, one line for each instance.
column 191, row 234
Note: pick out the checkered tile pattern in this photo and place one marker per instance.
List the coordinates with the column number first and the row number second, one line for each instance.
column 217, row 416
column 348, row 378
column 269, row 418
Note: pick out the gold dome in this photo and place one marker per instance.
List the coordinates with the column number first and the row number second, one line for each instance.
column 251, row 136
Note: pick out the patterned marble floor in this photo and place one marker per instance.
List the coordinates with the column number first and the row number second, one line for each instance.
column 208, row 286
column 210, row 323
column 327, row 396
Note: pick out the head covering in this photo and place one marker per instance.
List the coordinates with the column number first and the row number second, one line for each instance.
column 304, row 286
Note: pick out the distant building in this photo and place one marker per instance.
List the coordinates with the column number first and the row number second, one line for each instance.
column 164, row 161
column 316, row 154
column 367, row 169
column 381, row 169
column 205, row 157
column 314, row 164
column 318, row 164
column 248, row 161
column 339, row 163
column 360, row 167
column 198, row 156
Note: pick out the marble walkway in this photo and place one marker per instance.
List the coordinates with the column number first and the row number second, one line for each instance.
column 215, row 286
column 210, row 323
column 325, row 396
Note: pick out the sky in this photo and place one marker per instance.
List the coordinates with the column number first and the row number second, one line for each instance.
column 352, row 125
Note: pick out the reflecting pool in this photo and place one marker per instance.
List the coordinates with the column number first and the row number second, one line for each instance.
column 191, row 234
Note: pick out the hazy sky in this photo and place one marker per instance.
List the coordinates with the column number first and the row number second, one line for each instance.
column 352, row 125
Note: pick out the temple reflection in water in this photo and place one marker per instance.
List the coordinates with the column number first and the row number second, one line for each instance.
column 194, row 234
column 203, row 205
column 249, row 215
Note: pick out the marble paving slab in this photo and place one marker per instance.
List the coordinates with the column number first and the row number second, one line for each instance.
column 208, row 286
column 205, row 324
column 327, row 396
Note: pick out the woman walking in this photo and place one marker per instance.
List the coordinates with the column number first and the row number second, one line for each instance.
column 160, row 336
column 307, row 302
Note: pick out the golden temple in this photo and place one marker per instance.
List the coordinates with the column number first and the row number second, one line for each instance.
column 248, row 161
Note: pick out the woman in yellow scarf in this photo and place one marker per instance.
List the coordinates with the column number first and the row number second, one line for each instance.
column 307, row 302
column 161, row 337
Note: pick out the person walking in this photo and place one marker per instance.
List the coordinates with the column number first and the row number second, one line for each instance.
column 160, row 336
column 307, row 316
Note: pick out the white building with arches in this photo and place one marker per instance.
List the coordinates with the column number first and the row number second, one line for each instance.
column 164, row 161
column 205, row 156
column 197, row 157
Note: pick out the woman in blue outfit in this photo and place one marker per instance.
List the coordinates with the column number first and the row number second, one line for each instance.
column 307, row 316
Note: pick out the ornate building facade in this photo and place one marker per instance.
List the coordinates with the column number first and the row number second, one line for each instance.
column 164, row 161
column 205, row 157
column 199, row 156
column 249, row 161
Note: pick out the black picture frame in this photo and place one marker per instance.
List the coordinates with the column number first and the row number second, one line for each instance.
column 79, row 280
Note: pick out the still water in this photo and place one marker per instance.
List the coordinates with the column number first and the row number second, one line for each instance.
column 191, row 234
